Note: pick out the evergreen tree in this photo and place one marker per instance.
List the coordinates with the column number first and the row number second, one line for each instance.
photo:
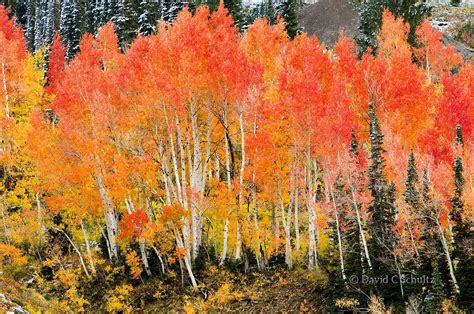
column 70, row 32
column 89, row 17
column 413, row 12
column 44, row 24
column 236, row 9
column 462, row 248
column 147, row 19
column 126, row 21
column 412, row 196
column 50, row 25
column 436, row 295
column 459, row 139
column 354, row 145
column 170, row 10
column 30, row 25
column 382, row 209
column 289, row 14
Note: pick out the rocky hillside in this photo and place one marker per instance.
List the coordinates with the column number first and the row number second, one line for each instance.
column 327, row 18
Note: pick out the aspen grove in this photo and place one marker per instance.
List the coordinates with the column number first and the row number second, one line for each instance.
column 200, row 142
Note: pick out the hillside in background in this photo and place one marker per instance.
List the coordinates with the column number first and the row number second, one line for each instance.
column 327, row 18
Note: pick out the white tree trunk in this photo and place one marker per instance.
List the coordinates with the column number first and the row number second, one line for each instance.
column 339, row 240
column 110, row 217
column 88, row 248
column 448, row 255
column 77, row 251
column 297, row 223
column 359, row 223
column 144, row 257
column 7, row 97
column 225, row 240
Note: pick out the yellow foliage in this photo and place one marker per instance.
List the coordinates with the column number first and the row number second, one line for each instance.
column 11, row 255
column 66, row 277
column 133, row 261
column 346, row 303
column 73, row 302
column 188, row 308
column 118, row 299
column 225, row 295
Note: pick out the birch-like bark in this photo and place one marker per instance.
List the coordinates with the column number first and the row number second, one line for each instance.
column 297, row 223
column 144, row 257
column 162, row 264
column 40, row 216
column 4, row 221
column 183, row 165
column 7, row 96
column 311, row 177
column 225, row 240
column 228, row 176
column 187, row 258
column 286, row 221
column 359, row 222
column 339, row 240
column 107, row 243
column 110, row 217
column 238, row 242
column 446, row 253
column 88, row 248
column 241, row 183
column 77, row 251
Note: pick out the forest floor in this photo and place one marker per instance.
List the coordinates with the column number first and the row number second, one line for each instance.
column 220, row 290
column 279, row 291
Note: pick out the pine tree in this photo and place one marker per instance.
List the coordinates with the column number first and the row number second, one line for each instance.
column 126, row 21
column 44, row 24
column 412, row 196
column 354, row 145
column 462, row 248
column 50, row 25
column 69, row 28
column 436, row 294
column 170, row 10
column 413, row 12
column 89, row 17
column 236, row 9
column 30, row 25
column 289, row 11
column 382, row 209
column 146, row 20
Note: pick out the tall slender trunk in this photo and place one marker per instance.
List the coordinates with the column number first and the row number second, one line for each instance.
column 399, row 273
column 7, row 96
column 187, row 258
column 228, row 178
column 311, row 186
column 4, row 221
column 107, row 243
column 225, row 241
column 144, row 257
column 238, row 241
column 286, row 221
column 110, row 217
column 88, row 248
column 339, row 240
column 77, row 251
column 40, row 216
column 162, row 264
column 241, row 183
column 359, row 223
column 448, row 255
column 297, row 223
